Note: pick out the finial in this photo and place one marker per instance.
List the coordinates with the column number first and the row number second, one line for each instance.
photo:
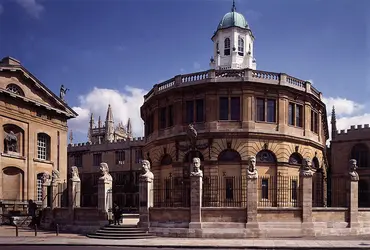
column 71, row 137
column 233, row 9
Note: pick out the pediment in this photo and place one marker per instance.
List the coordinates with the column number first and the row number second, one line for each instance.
column 18, row 82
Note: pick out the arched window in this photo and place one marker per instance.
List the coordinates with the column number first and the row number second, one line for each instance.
column 295, row 159
column 192, row 154
column 265, row 156
column 240, row 46
column 43, row 146
column 15, row 89
column 360, row 152
column 315, row 163
column 227, row 47
column 229, row 155
column 217, row 47
column 166, row 160
column 39, row 187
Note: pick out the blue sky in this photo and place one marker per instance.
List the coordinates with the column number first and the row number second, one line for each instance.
column 113, row 51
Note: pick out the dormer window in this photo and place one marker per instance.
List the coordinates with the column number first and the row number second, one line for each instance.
column 227, row 47
column 14, row 89
column 240, row 46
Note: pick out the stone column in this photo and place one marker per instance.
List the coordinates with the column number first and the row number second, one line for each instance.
column 104, row 186
column 252, row 198
column 353, row 196
column 56, row 193
column 46, row 182
column 74, row 189
column 306, row 197
column 196, row 184
column 145, row 195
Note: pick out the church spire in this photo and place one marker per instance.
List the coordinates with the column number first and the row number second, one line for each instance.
column 129, row 128
column 333, row 123
column 109, row 125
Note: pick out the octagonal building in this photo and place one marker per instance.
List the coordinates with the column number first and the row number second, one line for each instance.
column 238, row 112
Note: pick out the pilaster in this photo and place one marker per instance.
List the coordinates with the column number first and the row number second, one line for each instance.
column 145, row 201
column 104, row 191
column 306, row 199
column 353, row 204
column 74, row 192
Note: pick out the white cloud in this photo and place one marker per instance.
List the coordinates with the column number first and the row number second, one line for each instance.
column 124, row 105
column 33, row 7
column 347, row 113
column 1, row 9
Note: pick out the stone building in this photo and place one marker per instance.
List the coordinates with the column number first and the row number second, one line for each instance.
column 352, row 143
column 115, row 146
column 238, row 112
column 34, row 135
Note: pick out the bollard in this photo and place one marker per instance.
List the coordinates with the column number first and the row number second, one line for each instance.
column 16, row 230
column 57, row 229
column 35, row 229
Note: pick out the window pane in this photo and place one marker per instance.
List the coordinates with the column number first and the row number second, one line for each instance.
column 162, row 118
column 271, row 110
column 199, row 104
column 291, row 114
column 235, row 108
column 224, row 108
column 316, row 125
column 298, row 116
column 312, row 120
column 189, row 112
column 170, row 116
column 260, row 109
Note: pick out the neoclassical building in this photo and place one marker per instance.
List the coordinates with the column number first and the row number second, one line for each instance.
column 238, row 111
column 34, row 134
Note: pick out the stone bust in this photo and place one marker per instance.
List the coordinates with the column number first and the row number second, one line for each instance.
column 74, row 174
column 196, row 168
column 55, row 175
column 252, row 170
column 46, row 179
column 306, row 168
column 104, row 171
column 147, row 175
column 352, row 166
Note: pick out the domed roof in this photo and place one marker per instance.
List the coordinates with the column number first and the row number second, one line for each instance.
column 233, row 19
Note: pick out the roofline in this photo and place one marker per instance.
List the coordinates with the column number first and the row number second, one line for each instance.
column 219, row 29
column 28, row 74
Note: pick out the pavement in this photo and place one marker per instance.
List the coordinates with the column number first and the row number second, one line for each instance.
column 26, row 237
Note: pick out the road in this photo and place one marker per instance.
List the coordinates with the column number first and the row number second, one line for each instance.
column 84, row 248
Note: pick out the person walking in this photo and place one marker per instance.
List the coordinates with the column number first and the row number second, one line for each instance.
column 116, row 214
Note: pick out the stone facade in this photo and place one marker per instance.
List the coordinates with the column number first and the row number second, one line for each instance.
column 33, row 138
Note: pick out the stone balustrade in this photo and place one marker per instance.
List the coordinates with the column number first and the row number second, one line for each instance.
column 231, row 75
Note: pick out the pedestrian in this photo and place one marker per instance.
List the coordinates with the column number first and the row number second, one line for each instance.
column 116, row 214
column 32, row 209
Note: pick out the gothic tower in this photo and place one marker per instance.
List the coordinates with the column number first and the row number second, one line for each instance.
column 109, row 125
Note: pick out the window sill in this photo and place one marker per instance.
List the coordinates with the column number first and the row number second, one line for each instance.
column 293, row 126
column 43, row 161
column 272, row 123
column 13, row 155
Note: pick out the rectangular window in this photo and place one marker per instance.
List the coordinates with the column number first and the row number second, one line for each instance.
column 265, row 189
column 199, row 105
column 189, row 112
column 291, row 114
column 78, row 160
column 314, row 121
column 298, row 115
column 120, row 157
column 162, row 118
column 235, row 108
column 138, row 155
column 229, row 192
column 294, row 186
column 170, row 116
column 43, row 146
column 97, row 159
column 271, row 110
column 260, row 112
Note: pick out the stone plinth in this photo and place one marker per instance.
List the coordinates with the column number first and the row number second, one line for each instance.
column 104, row 201
column 196, row 201
column 45, row 195
column 306, row 201
column 353, row 205
column 74, row 192
column 146, row 201
column 56, row 194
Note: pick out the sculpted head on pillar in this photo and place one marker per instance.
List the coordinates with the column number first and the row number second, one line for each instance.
column 55, row 175
column 252, row 170
column 74, row 174
column 352, row 167
column 46, row 179
column 196, row 168
column 104, row 172
column 306, row 168
column 147, row 175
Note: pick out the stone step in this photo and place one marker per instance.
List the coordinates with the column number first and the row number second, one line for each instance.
column 121, row 231
column 121, row 237
column 121, row 226
column 115, row 234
